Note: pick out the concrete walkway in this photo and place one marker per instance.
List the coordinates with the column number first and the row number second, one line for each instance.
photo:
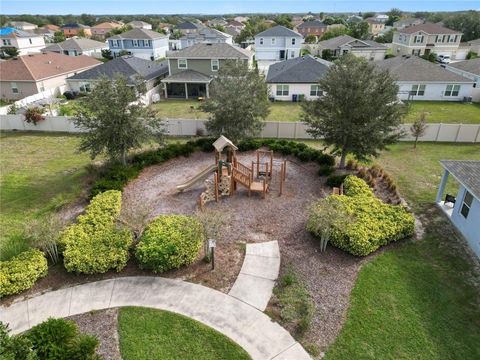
column 250, row 328
column 257, row 277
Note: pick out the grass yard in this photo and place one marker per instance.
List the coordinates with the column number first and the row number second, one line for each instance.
column 445, row 112
column 38, row 173
column 416, row 301
column 155, row 334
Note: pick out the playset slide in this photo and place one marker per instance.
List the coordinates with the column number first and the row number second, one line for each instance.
column 200, row 176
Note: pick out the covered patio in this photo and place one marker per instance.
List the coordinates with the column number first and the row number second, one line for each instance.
column 188, row 84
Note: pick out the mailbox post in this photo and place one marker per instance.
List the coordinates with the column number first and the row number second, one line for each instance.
column 211, row 245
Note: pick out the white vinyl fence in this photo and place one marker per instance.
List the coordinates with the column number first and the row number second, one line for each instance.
column 464, row 133
column 47, row 94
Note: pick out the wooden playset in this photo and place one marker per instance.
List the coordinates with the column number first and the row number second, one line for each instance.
column 228, row 172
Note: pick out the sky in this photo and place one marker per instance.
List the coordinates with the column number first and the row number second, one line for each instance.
column 131, row 7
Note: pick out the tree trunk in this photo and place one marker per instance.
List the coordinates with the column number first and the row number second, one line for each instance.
column 124, row 157
column 342, row 158
column 415, row 143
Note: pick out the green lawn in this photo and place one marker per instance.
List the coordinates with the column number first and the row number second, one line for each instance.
column 416, row 301
column 38, row 173
column 446, row 112
column 155, row 334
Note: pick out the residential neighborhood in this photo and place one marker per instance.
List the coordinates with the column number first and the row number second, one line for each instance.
column 231, row 180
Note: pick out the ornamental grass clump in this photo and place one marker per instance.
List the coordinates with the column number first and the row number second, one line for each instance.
column 375, row 223
column 97, row 243
column 169, row 242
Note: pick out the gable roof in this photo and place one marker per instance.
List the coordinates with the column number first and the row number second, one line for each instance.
column 11, row 32
column 312, row 24
column 51, row 27
column 210, row 51
column 472, row 66
column 20, row 23
column 188, row 25
column 75, row 26
column 467, row 172
column 279, row 30
column 138, row 34
column 429, row 28
column 342, row 40
column 414, row 68
column 235, row 23
column 207, row 33
column 79, row 44
column 303, row 69
column 40, row 66
column 138, row 23
column 128, row 66
column 106, row 25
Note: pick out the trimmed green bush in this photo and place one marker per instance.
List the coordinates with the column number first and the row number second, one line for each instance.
column 169, row 242
column 21, row 272
column 96, row 244
column 335, row 180
column 60, row 339
column 375, row 223
column 326, row 170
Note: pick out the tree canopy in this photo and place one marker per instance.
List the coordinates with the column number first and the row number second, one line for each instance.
column 114, row 119
column 359, row 113
column 238, row 102
column 468, row 23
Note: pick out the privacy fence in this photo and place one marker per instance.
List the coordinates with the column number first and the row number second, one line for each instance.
column 464, row 133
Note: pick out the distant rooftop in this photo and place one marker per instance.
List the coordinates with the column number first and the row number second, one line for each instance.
column 279, row 30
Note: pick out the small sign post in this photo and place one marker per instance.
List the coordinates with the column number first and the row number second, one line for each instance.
column 211, row 245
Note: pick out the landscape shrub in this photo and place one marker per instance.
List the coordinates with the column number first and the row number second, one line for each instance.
column 336, row 180
column 15, row 347
column 326, row 170
column 325, row 159
column 96, row 243
column 21, row 272
column 169, row 242
column 375, row 223
column 60, row 339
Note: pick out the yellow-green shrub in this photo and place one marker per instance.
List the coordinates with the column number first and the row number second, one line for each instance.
column 96, row 244
column 168, row 242
column 21, row 272
column 375, row 223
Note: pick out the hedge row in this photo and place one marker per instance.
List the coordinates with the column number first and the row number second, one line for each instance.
column 116, row 177
column 375, row 223
column 96, row 244
column 21, row 272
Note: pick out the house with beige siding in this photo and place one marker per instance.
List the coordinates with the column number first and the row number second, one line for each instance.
column 31, row 74
column 25, row 42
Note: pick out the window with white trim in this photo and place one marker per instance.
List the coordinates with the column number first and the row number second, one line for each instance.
column 135, row 43
column 85, row 87
column 148, row 43
column 274, row 40
column 315, row 90
column 30, row 40
column 418, row 39
column 13, row 86
column 261, row 41
column 466, row 204
column 418, row 90
column 182, row 64
column 452, row 90
column 215, row 64
column 7, row 42
column 282, row 90
column 293, row 41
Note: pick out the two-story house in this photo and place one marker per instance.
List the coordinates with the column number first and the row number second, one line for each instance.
column 314, row 27
column 375, row 25
column 191, row 70
column 75, row 29
column 22, row 25
column 142, row 43
column 24, row 42
column 100, row 30
column 345, row 44
column 425, row 39
column 78, row 46
column 137, row 24
column 276, row 44
column 206, row 36
column 188, row 27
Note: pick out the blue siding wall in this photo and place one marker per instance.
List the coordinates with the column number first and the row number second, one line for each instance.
column 469, row 227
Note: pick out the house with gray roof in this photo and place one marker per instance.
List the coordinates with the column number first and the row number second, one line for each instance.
column 188, row 27
column 346, row 44
column 469, row 69
column 191, row 70
column 296, row 79
column 463, row 207
column 276, row 44
column 78, row 46
column 146, row 44
column 205, row 36
column 403, row 23
column 22, row 25
column 133, row 68
column 420, row 79
column 137, row 24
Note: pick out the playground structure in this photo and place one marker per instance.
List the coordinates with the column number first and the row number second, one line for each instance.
column 228, row 172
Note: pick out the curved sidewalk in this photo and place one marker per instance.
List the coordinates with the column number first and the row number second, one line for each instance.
column 250, row 328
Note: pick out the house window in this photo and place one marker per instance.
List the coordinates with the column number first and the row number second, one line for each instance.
column 261, row 41
column 452, row 38
column 418, row 39
column 135, row 43
column 315, row 90
column 418, row 90
column 182, row 63
column 215, row 64
column 115, row 43
column 30, row 40
column 452, row 90
column 274, row 41
column 439, row 39
column 7, row 42
column 14, row 87
column 85, row 88
column 293, row 41
column 466, row 204
column 282, row 90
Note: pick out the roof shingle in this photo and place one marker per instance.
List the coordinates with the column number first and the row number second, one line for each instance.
column 429, row 28
column 79, row 44
column 466, row 172
column 472, row 66
column 210, row 51
column 138, row 34
column 279, row 30
column 304, row 70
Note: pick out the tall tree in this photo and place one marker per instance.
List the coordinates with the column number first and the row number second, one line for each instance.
column 284, row 20
column 468, row 23
column 418, row 127
column 393, row 15
column 358, row 30
column 238, row 101
column 337, row 31
column 359, row 113
column 58, row 36
column 114, row 119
